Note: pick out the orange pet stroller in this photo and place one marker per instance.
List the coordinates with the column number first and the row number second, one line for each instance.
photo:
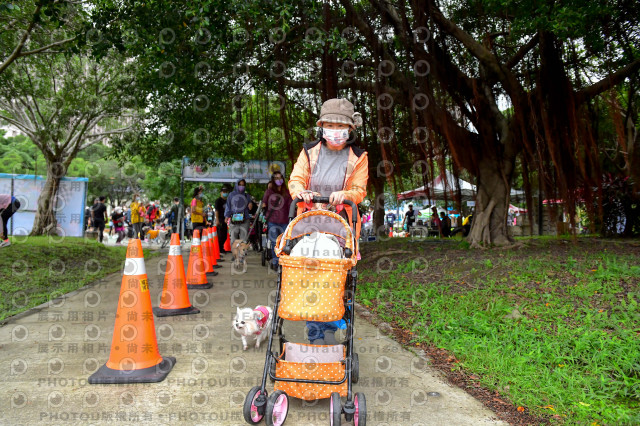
column 318, row 286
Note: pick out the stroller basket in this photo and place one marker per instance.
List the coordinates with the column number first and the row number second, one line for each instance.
column 311, row 362
column 312, row 289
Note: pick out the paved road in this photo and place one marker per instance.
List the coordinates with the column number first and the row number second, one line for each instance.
column 49, row 352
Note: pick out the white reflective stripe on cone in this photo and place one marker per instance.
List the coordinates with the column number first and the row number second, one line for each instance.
column 196, row 242
column 134, row 266
column 174, row 250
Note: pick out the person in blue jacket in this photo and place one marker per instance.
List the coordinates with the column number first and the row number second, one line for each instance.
column 236, row 212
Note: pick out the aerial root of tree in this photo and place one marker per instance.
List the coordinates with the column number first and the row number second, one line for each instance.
column 480, row 236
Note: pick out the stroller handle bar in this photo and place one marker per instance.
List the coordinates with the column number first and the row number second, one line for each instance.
column 294, row 206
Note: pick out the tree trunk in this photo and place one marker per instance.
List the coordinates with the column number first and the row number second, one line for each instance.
column 329, row 75
column 45, row 222
column 378, row 206
column 489, row 224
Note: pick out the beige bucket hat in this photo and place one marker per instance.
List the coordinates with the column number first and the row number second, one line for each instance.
column 339, row 111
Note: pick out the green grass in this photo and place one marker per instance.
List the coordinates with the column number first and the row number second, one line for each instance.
column 575, row 352
column 34, row 270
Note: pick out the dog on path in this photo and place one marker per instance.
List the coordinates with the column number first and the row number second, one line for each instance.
column 155, row 235
column 253, row 324
column 239, row 251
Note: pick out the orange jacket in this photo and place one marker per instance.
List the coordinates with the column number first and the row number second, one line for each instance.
column 355, row 183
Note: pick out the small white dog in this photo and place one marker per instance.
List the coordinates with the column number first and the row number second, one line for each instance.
column 318, row 245
column 401, row 234
column 253, row 323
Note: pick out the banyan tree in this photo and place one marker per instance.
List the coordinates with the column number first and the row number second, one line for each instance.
column 498, row 89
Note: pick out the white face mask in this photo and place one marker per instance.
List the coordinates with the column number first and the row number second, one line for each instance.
column 335, row 137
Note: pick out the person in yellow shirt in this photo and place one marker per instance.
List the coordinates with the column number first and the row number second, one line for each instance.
column 197, row 210
column 465, row 228
column 136, row 219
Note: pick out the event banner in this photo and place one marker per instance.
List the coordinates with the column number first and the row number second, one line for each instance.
column 255, row 171
column 69, row 207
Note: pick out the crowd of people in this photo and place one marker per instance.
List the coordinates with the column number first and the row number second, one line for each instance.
column 130, row 219
column 232, row 211
column 439, row 224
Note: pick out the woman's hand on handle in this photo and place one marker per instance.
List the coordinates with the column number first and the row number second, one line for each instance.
column 336, row 198
column 306, row 196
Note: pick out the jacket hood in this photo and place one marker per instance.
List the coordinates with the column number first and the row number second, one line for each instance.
column 237, row 201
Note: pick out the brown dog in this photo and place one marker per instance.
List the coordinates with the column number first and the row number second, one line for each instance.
column 239, row 250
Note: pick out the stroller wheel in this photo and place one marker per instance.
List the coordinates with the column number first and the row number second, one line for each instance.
column 277, row 408
column 335, row 409
column 252, row 414
column 360, row 416
column 355, row 369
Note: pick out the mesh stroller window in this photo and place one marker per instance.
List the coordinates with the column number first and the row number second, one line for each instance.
column 320, row 223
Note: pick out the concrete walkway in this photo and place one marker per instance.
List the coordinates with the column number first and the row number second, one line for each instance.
column 49, row 352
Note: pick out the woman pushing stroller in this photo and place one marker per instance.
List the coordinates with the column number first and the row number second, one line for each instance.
column 318, row 246
column 332, row 167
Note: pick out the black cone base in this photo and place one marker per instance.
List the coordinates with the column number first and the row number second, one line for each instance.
column 201, row 286
column 217, row 266
column 157, row 373
column 159, row 312
column 212, row 273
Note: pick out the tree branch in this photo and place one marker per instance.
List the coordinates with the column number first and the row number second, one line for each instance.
column 42, row 49
column 101, row 136
column 365, row 86
column 33, row 99
column 72, row 131
column 608, row 82
column 110, row 132
column 74, row 142
column 484, row 55
column 524, row 49
column 16, row 52
column 26, row 113
column 19, row 125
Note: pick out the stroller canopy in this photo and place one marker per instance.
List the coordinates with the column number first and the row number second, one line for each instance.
column 328, row 223
column 318, row 221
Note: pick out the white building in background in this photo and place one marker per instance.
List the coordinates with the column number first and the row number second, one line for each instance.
column 10, row 131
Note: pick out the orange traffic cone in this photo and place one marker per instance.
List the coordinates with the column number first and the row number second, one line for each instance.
column 175, row 297
column 206, row 253
column 215, row 248
column 227, row 242
column 212, row 257
column 196, row 277
column 390, row 232
column 134, row 356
